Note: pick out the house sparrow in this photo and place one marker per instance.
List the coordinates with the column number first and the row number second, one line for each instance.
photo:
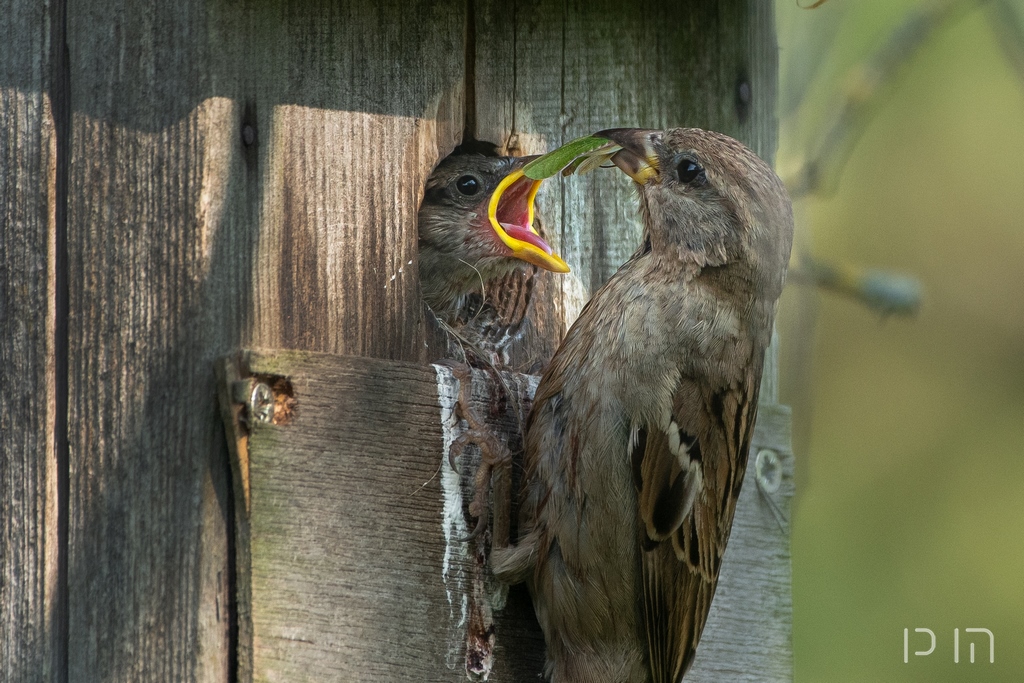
column 637, row 442
column 462, row 246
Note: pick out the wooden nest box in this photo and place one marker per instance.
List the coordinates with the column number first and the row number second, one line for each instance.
column 199, row 177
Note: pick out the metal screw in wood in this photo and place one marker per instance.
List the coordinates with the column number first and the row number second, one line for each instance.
column 258, row 399
column 768, row 469
column 261, row 403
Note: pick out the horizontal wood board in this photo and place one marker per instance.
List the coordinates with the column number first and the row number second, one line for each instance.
column 352, row 577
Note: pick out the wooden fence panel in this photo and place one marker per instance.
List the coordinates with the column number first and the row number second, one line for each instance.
column 241, row 172
column 30, row 554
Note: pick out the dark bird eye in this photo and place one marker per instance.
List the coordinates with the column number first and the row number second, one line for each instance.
column 689, row 171
column 467, row 185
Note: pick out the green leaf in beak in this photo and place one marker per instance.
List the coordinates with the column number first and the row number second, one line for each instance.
column 568, row 156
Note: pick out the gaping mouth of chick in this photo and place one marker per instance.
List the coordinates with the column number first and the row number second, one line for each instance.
column 510, row 213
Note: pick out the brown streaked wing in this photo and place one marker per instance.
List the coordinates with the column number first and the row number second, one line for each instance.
column 680, row 568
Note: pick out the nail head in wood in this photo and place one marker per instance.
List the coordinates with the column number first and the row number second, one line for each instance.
column 768, row 468
column 744, row 95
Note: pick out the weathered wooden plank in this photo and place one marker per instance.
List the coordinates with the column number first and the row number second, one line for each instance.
column 241, row 172
column 30, row 552
column 546, row 73
column 159, row 285
column 358, row 569
column 148, row 565
column 354, row 103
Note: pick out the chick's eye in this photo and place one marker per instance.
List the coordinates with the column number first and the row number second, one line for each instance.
column 689, row 171
column 467, row 185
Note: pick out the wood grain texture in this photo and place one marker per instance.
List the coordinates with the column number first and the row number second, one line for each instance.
column 546, row 73
column 352, row 576
column 247, row 173
column 241, row 172
column 368, row 99
column 148, row 538
column 29, row 545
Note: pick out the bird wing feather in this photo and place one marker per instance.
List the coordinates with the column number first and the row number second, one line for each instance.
column 687, row 491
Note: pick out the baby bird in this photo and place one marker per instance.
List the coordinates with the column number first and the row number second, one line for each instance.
column 478, row 257
column 461, row 249
column 638, row 438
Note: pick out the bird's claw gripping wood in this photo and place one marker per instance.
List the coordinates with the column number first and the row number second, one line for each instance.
column 494, row 458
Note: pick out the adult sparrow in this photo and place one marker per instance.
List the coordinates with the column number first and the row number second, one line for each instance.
column 638, row 438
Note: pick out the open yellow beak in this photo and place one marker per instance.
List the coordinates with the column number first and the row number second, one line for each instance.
column 529, row 250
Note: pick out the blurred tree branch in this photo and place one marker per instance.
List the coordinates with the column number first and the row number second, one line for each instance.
column 884, row 292
column 1008, row 26
column 866, row 88
column 816, row 36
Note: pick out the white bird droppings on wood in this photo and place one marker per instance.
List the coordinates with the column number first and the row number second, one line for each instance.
column 454, row 522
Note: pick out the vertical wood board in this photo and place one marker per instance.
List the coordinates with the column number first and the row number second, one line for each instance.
column 30, row 608
column 240, row 173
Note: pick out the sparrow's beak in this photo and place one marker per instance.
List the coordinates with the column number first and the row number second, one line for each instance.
column 638, row 158
column 514, row 225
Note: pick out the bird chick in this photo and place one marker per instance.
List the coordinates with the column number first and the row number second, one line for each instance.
column 638, row 438
column 478, row 254
column 461, row 247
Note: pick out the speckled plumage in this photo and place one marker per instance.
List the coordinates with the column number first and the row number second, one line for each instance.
column 638, row 438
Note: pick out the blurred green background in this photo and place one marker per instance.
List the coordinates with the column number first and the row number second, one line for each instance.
column 909, row 431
